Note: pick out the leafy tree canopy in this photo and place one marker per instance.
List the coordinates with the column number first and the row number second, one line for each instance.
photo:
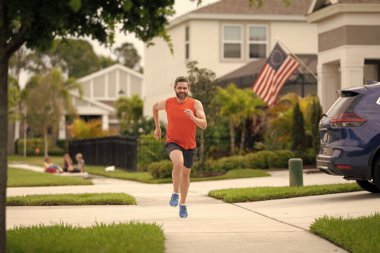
column 128, row 55
column 38, row 22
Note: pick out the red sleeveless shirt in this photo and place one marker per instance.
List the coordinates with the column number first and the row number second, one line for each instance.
column 181, row 129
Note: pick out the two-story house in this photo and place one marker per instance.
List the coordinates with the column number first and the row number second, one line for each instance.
column 348, row 44
column 224, row 37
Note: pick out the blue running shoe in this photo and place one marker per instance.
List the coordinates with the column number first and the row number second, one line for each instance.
column 174, row 199
column 182, row 211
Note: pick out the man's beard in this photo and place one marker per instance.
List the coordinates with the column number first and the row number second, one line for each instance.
column 181, row 95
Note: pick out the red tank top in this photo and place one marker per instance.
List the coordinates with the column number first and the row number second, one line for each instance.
column 181, row 129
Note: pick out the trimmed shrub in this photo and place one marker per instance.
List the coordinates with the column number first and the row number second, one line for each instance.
column 149, row 150
column 210, row 169
column 162, row 169
column 308, row 157
column 34, row 146
column 259, row 159
column 56, row 151
column 229, row 163
column 280, row 159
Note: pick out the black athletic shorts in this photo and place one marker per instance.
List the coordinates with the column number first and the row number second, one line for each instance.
column 188, row 154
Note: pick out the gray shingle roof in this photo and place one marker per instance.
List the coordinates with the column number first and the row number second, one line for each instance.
column 359, row 1
column 270, row 7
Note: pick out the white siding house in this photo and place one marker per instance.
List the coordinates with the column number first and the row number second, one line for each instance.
column 223, row 37
column 100, row 92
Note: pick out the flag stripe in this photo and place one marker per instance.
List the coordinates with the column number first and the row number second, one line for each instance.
column 284, row 76
column 274, row 75
column 257, row 88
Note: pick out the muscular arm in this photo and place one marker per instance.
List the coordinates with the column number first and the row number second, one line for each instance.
column 157, row 107
column 200, row 117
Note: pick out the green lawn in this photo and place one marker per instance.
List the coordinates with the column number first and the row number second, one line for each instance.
column 72, row 199
column 26, row 178
column 116, row 238
column 34, row 160
column 357, row 235
column 235, row 195
column 146, row 177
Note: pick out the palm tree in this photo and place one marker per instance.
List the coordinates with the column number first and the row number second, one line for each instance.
column 47, row 97
column 252, row 108
column 130, row 112
column 238, row 105
column 280, row 120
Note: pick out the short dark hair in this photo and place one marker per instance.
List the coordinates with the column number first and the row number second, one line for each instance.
column 181, row 79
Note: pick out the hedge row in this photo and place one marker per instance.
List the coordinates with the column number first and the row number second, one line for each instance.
column 259, row 160
column 35, row 146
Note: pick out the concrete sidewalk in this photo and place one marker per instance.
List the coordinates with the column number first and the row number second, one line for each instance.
column 212, row 225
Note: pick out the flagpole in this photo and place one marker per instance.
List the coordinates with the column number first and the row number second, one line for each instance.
column 298, row 59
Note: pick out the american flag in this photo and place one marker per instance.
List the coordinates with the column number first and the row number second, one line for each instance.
column 274, row 74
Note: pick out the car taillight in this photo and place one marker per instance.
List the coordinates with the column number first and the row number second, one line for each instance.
column 347, row 120
column 343, row 166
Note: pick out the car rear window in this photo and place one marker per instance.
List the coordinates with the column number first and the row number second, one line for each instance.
column 343, row 103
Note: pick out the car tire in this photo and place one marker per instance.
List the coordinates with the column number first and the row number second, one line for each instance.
column 368, row 186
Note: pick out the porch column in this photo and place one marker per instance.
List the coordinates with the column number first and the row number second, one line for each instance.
column 329, row 84
column 17, row 130
column 105, row 122
column 62, row 129
column 352, row 71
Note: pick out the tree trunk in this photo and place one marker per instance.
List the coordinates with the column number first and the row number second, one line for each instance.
column 242, row 139
column 3, row 142
column 232, row 137
column 46, row 144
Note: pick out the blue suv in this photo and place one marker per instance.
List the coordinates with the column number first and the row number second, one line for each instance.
column 350, row 137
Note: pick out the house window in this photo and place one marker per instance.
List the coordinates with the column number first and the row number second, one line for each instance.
column 257, row 41
column 187, row 43
column 232, row 41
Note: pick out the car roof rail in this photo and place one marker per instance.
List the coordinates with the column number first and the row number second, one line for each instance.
column 371, row 82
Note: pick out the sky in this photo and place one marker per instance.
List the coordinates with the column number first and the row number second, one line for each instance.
column 181, row 7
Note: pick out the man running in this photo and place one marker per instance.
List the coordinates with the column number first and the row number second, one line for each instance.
column 184, row 114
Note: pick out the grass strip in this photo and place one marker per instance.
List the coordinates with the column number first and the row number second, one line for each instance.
column 357, row 235
column 234, row 174
column 34, row 160
column 26, row 178
column 146, row 177
column 234, row 195
column 72, row 199
column 116, row 238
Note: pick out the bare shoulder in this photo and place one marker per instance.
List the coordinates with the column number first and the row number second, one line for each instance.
column 160, row 105
column 198, row 104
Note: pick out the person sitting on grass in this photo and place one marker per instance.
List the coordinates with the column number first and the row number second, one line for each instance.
column 68, row 165
column 51, row 167
column 80, row 162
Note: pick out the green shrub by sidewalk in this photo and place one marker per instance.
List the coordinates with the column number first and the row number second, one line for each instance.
column 146, row 177
column 26, row 178
column 116, row 238
column 72, row 199
column 357, row 235
column 235, row 195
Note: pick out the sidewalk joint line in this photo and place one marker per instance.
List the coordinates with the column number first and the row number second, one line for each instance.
column 266, row 216
column 252, row 211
